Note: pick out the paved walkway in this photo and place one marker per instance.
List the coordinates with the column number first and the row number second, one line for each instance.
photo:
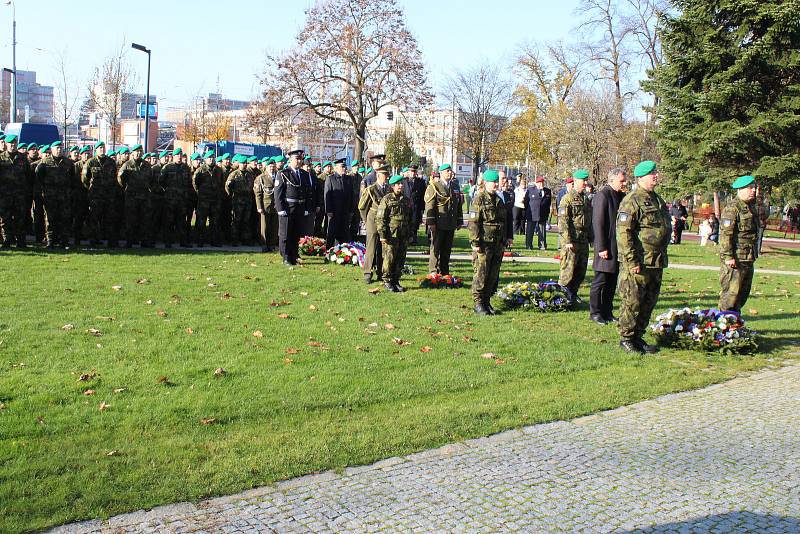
column 722, row 459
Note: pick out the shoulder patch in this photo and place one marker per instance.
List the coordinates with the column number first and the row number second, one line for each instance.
column 726, row 222
column 623, row 217
column 473, row 215
column 562, row 211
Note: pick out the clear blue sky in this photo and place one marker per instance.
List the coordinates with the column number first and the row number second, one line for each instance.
column 198, row 45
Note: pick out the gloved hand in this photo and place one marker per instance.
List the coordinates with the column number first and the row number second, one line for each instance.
column 282, row 213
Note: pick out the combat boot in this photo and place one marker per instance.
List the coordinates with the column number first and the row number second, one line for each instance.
column 391, row 287
column 649, row 349
column 480, row 309
column 630, row 345
column 489, row 308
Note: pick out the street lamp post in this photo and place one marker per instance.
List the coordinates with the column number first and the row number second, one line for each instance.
column 147, row 95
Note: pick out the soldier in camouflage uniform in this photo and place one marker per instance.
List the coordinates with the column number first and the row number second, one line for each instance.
column 36, row 202
column 208, row 184
column 738, row 231
column 644, row 228
column 195, row 160
column 263, row 189
column 135, row 178
column 15, row 189
column 238, row 189
column 368, row 207
column 174, row 180
column 490, row 232
column 80, row 199
column 55, row 176
column 575, row 232
column 393, row 219
column 443, row 215
column 99, row 177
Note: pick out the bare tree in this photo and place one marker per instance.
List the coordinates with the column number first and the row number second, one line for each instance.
column 66, row 94
column 483, row 100
column 348, row 71
column 270, row 108
column 550, row 75
column 110, row 80
column 643, row 23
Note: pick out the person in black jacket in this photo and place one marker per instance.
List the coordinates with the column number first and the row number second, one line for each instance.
column 338, row 197
column 294, row 201
column 679, row 214
column 605, row 206
column 538, row 199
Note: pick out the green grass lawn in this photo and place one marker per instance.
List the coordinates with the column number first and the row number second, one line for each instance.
column 319, row 373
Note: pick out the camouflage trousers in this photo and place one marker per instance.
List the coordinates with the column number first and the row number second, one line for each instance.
column 240, row 222
column 735, row 285
column 207, row 221
column 103, row 217
column 394, row 257
column 57, row 215
column 486, row 272
column 137, row 219
column 573, row 266
column 639, row 295
column 13, row 208
column 174, row 219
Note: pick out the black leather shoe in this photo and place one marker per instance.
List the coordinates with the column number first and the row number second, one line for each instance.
column 367, row 279
column 631, row 346
column 649, row 349
column 599, row 319
column 391, row 287
column 400, row 288
column 612, row 319
column 480, row 309
column 490, row 309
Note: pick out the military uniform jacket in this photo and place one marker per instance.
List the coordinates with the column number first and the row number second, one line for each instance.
column 208, row 183
column 237, row 186
column 643, row 230
column 263, row 189
column 135, row 178
column 738, row 230
column 99, row 176
column 174, row 180
column 371, row 199
column 14, row 174
column 574, row 219
column 393, row 216
column 293, row 190
column 55, row 173
column 488, row 224
column 443, row 206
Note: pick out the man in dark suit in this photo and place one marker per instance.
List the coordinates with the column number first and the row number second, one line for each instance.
column 294, row 201
column 538, row 199
column 605, row 206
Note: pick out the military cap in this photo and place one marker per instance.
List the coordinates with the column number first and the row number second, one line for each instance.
column 55, row 143
column 539, row 180
column 326, row 164
column 163, row 153
column 580, row 174
column 251, row 159
column 354, row 163
column 208, row 154
column 362, row 169
column 136, row 147
column 307, row 157
column 395, row 179
column 218, row 158
column 99, row 144
column 194, row 156
column 10, row 138
column 296, row 152
column 238, row 158
column 404, row 169
column 265, row 159
column 226, row 155
column 177, row 152
column 111, row 153
column 445, row 167
column 2, row 137
column 491, row 175
column 270, row 160
column 570, row 180
column 378, row 156
column 279, row 158
column 317, row 164
column 743, row 181
column 85, row 149
column 123, row 150
column 22, row 145
column 383, row 168
column 44, row 148
column 644, row 168
column 33, row 146
column 340, row 161
column 73, row 148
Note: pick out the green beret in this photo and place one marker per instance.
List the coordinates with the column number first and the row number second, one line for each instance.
column 73, row 147
column 194, row 156
column 85, row 149
column 251, row 159
column 279, row 159
column 55, row 143
column 163, row 153
column 326, row 164
column 123, row 150
column 362, row 169
column 404, row 169
column 99, row 144
column 743, row 181
column 395, row 179
column 317, row 164
column 354, row 163
column 10, row 138
column 208, row 154
column 136, row 147
column 111, row 153
column 445, row 167
column 226, row 155
column 218, row 158
column 491, row 175
column 22, row 145
column 580, row 174
column 644, row 168
column 307, row 158
column 44, row 148
column 177, row 152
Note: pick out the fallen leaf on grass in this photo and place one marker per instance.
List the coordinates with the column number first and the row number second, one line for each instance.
column 212, row 284
column 164, row 380
column 493, row 356
column 225, row 296
column 120, row 390
column 142, row 281
column 2, row 405
column 752, row 312
column 425, row 349
column 283, row 316
column 95, row 332
column 189, row 331
column 103, row 318
column 68, row 327
column 87, row 376
column 313, row 308
column 292, row 351
column 40, row 420
column 304, row 293
column 389, row 326
column 281, row 303
column 116, row 288
column 104, row 406
column 113, row 453
column 219, row 371
column 208, row 420
column 362, row 319
column 149, row 302
column 161, row 313
column 374, row 290
column 258, row 334
column 89, row 392
column 401, row 342
column 288, row 361
column 314, row 344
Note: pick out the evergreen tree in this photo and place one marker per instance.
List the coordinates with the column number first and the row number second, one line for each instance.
column 399, row 149
column 729, row 92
